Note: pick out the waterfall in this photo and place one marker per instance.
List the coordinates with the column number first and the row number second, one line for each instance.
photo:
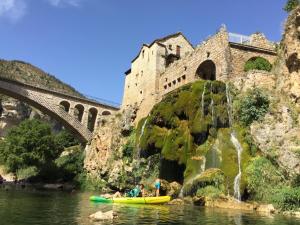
column 237, row 179
column 229, row 105
column 143, row 129
column 137, row 156
column 202, row 99
column 236, row 144
column 212, row 107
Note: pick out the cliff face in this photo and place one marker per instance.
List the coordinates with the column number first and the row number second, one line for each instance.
column 13, row 111
column 278, row 135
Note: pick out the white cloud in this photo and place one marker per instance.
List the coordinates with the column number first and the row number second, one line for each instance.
column 75, row 3
column 12, row 9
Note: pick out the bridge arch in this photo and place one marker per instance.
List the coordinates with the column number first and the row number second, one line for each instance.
column 78, row 111
column 41, row 101
column 65, row 105
column 206, row 70
column 93, row 112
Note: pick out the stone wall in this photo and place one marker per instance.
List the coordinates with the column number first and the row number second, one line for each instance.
column 184, row 71
column 241, row 54
column 255, row 78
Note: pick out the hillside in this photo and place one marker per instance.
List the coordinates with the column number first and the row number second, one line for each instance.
column 29, row 74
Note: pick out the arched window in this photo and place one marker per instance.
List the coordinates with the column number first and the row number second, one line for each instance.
column 92, row 118
column 78, row 112
column 65, row 105
column 207, row 70
column 106, row 113
column 257, row 63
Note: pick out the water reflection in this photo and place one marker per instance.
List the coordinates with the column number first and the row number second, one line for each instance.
column 56, row 208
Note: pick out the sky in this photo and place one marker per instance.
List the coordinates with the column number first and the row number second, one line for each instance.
column 89, row 44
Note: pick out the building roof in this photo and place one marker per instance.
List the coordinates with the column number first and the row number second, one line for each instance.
column 159, row 40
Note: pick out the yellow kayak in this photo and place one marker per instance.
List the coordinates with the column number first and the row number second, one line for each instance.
column 137, row 200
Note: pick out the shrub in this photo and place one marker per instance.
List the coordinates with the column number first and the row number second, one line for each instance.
column 209, row 191
column 253, row 106
column 71, row 163
column 287, row 198
column 258, row 63
column 262, row 178
column 89, row 183
column 290, row 5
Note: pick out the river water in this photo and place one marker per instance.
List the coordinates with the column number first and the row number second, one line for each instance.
column 22, row 207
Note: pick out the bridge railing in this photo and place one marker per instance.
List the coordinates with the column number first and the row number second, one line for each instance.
column 240, row 39
column 103, row 101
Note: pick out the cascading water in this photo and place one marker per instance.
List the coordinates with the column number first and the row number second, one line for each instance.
column 212, row 107
column 237, row 145
column 138, row 152
column 202, row 99
column 237, row 179
column 143, row 129
column 229, row 105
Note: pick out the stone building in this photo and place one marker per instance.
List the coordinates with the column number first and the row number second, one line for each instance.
column 171, row 62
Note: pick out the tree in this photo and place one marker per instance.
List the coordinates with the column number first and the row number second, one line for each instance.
column 30, row 144
column 291, row 4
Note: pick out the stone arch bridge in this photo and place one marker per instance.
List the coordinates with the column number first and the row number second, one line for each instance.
column 76, row 114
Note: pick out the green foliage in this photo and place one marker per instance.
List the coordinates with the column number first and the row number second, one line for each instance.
column 31, row 143
column 253, row 106
column 89, row 183
column 27, row 172
column 262, row 178
column 209, row 178
column 129, row 147
column 70, row 164
column 290, row 5
column 287, row 198
column 65, row 139
column 31, row 149
column 258, row 63
column 209, row 191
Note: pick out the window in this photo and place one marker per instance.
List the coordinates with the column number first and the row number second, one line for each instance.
column 169, row 84
column 178, row 50
column 143, row 53
column 179, row 79
column 165, row 86
column 166, row 79
column 135, row 84
column 174, row 82
column 128, row 86
column 183, row 77
column 142, row 73
column 170, row 47
column 141, row 92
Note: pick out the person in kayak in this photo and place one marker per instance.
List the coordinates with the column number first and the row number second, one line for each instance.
column 157, row 187
column 135, row 192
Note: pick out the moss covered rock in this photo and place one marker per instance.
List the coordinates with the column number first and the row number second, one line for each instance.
column 190, row 128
